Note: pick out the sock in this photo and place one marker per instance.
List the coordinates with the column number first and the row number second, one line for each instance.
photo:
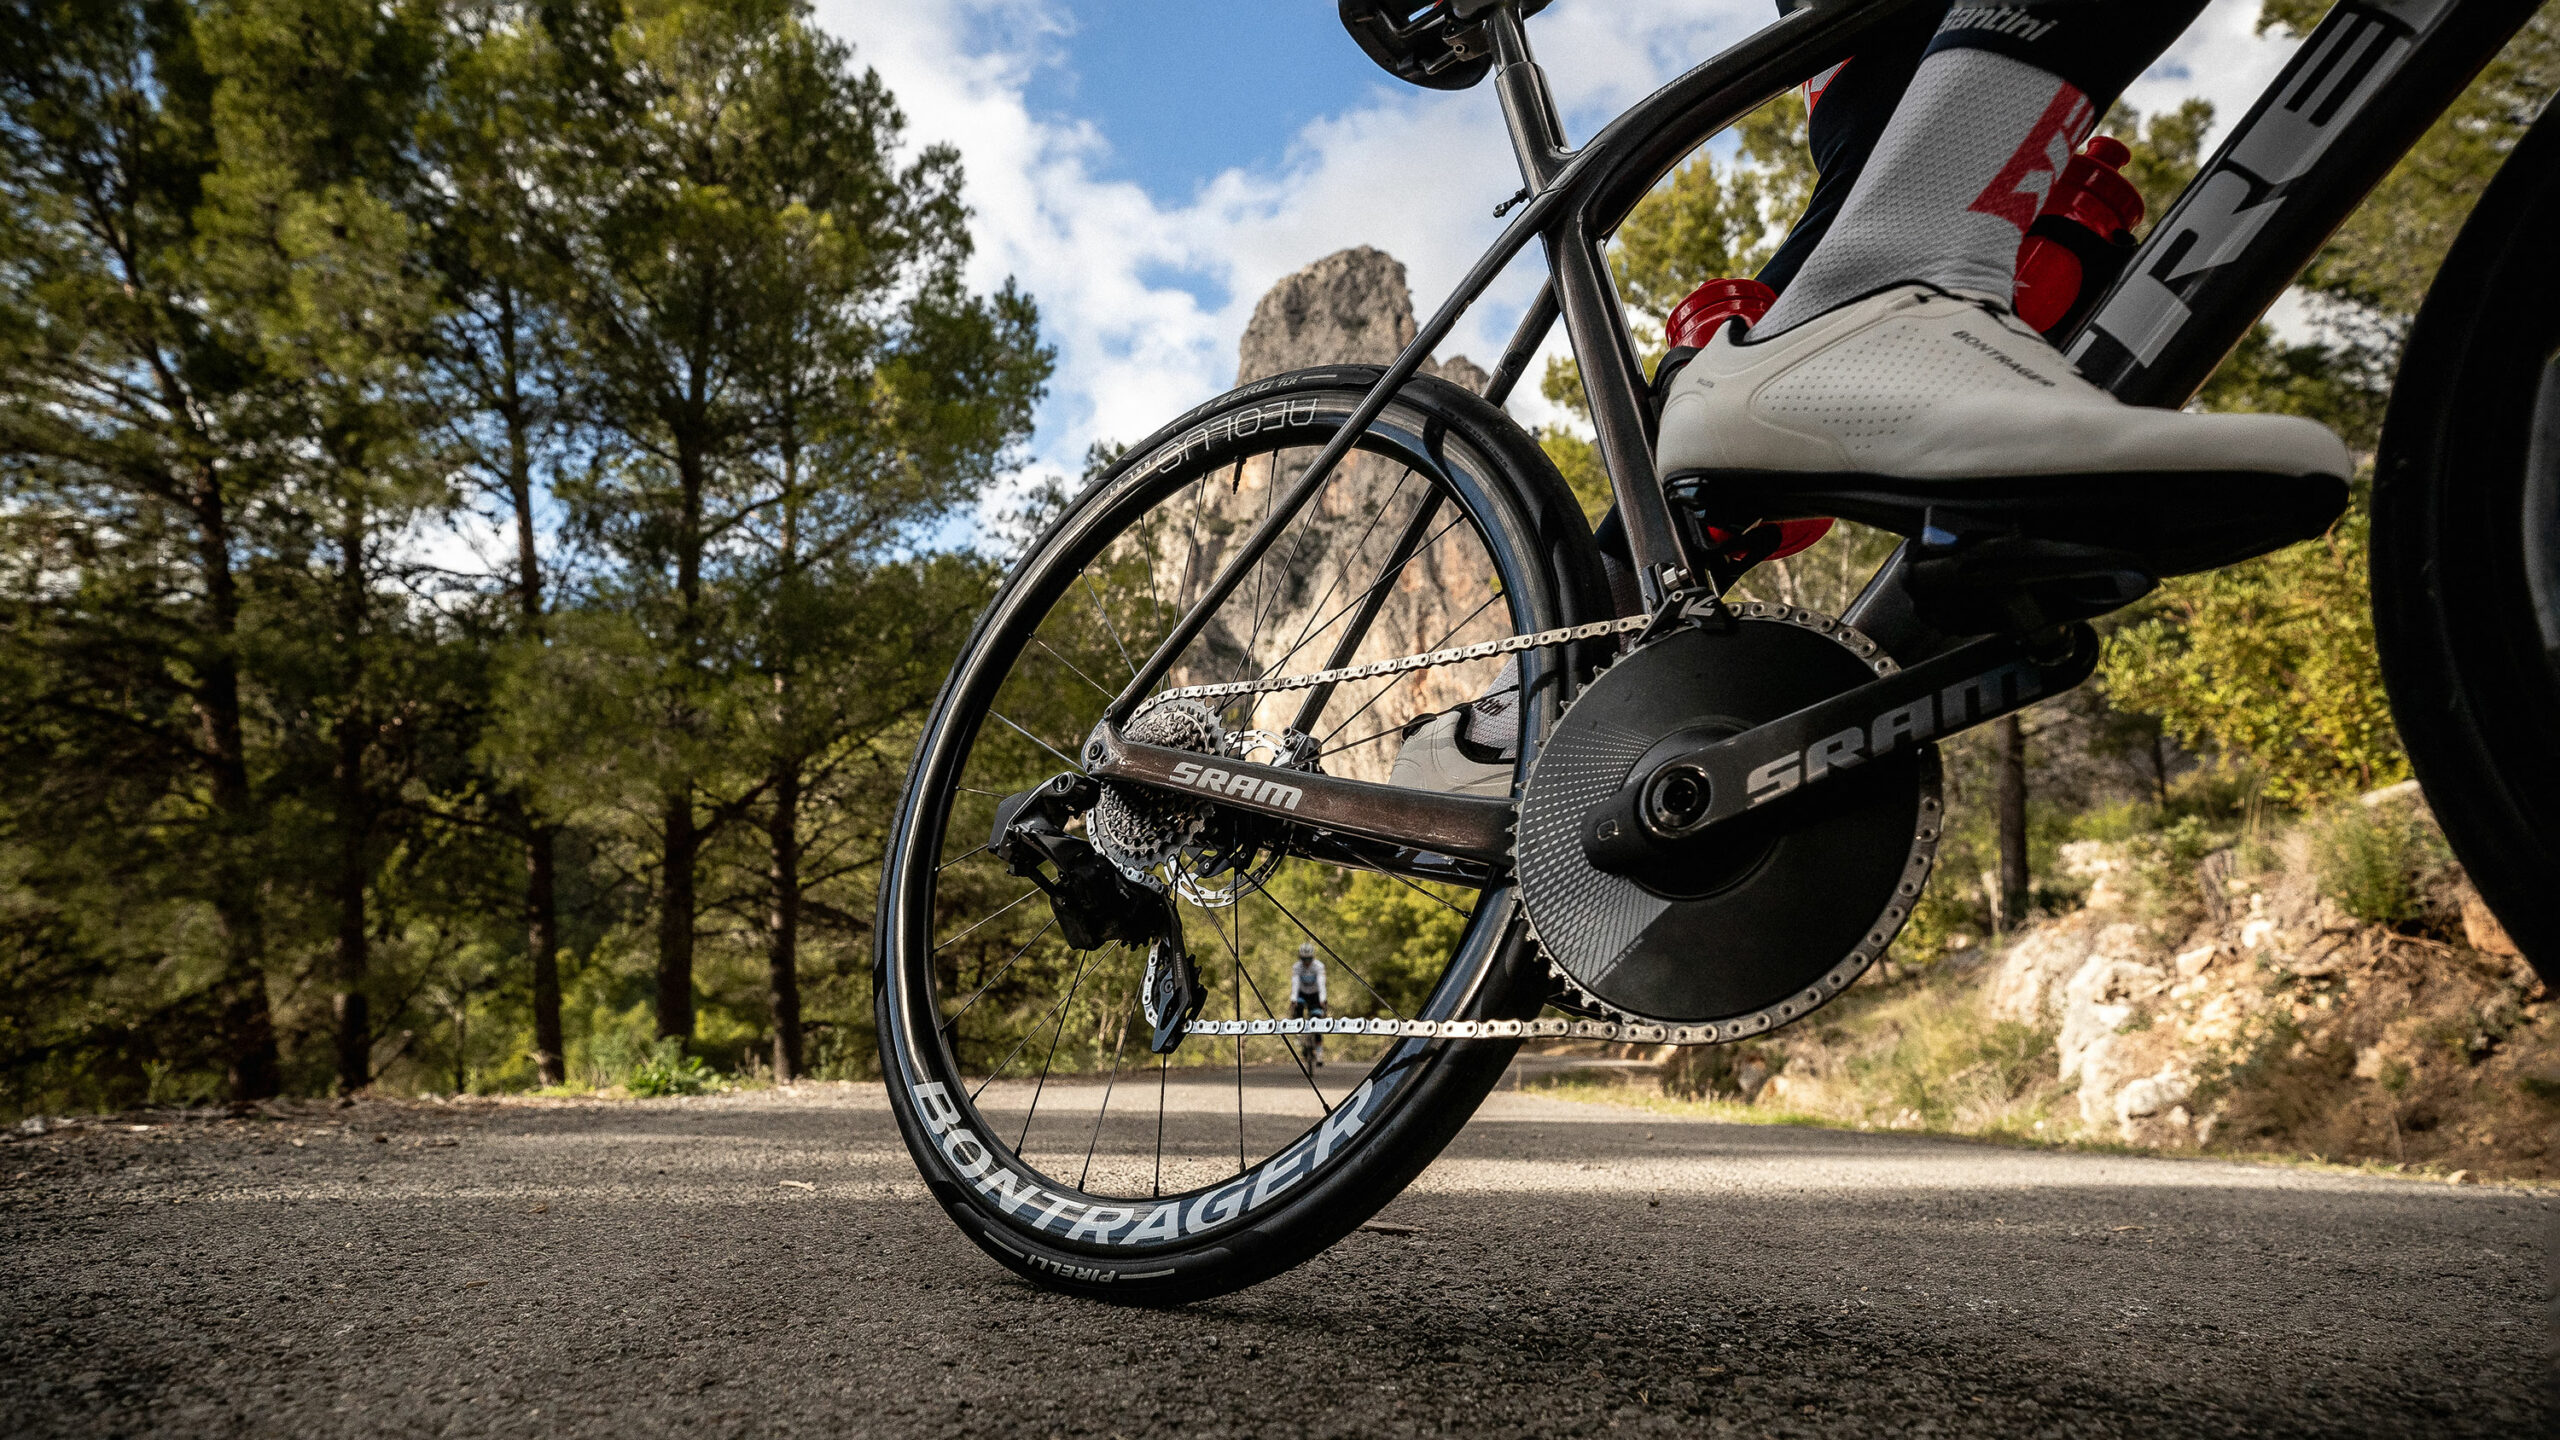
column 1492, row 720
column 1954, row 182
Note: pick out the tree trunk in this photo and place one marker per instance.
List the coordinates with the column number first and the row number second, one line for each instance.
column 783, row 953
column 542, row 842
column 675, row 918
column 542, row 944
column 2012, row 804
column 352, row 1011
column 350, row 1007
column 252, row 1068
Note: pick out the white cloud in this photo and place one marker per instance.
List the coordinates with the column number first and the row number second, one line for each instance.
column 1412, row 172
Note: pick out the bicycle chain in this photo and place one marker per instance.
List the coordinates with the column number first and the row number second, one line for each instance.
column 1635, row 1031
column 1598, row 629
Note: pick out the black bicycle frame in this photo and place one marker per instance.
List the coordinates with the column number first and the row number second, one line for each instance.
column 2357, row 94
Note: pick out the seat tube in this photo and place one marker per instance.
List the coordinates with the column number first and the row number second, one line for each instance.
column 1528, row 106
column 1594, row 321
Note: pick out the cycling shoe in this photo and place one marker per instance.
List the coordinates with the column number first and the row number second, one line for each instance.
column 1916, row 407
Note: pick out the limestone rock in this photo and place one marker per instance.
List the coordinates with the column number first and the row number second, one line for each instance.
column 1352, row 307
column 2103, row 992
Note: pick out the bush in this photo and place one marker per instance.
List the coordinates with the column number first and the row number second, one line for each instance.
column 670, row 1071
column 2375, row 863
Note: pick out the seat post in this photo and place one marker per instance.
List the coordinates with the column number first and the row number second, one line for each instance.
column 1528, row 106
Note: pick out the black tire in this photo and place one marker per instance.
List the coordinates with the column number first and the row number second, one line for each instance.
column 2473, row 687
column 1304, row 1193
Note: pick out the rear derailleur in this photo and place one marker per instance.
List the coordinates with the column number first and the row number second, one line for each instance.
column 1096, row 903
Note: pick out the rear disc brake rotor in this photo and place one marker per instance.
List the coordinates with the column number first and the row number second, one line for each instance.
column 1771, row 919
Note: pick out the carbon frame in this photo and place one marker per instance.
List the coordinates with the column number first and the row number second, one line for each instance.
column 2357, row 94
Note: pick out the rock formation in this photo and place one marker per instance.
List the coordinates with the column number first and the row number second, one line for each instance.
column 1349, row 307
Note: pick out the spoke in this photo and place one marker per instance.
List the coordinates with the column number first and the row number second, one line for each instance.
column 1306, row 527
column 971, row 855
column 1374, row 586
column 1036, row 740
column 1371, row 738
column 1262, row 567
column 1239, row 1008
column 1163, row 1071
column 1418, row 890
column 1116, row 1047
column 1026, row 1036
column 1337, row 956
column 1357, row 547
column 1054, row 1037
column 1258, row 999
column 1000, row 974
column 1384, row 690
column 956, row 939
column 1105, row 617
column 1070, row 664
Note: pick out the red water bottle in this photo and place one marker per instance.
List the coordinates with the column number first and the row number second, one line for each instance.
column 2080, row 240
column 1693, row 323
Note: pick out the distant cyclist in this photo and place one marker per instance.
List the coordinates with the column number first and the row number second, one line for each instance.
column 1306, row 996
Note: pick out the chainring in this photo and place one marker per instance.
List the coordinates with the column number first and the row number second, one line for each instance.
column 1785, row 910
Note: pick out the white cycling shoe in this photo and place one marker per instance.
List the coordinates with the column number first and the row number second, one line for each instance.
column 1436, row 757
column 1916, row 402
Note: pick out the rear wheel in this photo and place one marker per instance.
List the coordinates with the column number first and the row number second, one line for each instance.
column 1018, row 1067
column 2466, row 549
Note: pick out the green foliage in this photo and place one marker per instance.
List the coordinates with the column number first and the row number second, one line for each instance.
column 2271, row 662
column 1578, row 460
column 1946, row 1063
column 670, row 1071
column 296, row 287
column 2376, row 860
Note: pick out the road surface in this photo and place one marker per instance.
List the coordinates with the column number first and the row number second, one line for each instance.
column 766, row 1264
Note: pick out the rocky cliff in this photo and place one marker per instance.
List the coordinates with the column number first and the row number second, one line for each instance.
column 1349, row 307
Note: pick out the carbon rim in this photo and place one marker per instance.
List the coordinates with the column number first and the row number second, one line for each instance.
column 1056, row 1153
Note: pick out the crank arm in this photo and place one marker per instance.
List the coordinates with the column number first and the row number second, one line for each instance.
column 1687, row 785
column 1463, row 827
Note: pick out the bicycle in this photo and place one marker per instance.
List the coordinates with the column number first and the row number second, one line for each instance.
column 1352, row 546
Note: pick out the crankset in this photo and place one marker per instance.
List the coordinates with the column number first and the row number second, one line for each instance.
column 1754, row 919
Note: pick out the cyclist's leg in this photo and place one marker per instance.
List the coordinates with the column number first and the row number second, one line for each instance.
column 1944, row 189
column 1892, row 353
column 1849, row 109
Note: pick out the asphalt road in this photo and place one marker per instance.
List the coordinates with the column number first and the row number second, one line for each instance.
column 766, row 1264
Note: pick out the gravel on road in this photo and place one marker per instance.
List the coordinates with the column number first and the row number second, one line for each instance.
column 766, row 1263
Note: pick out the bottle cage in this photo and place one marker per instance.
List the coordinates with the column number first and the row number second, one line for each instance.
column 1437, row 44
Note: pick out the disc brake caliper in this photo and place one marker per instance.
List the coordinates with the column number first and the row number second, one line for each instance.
column 1094, row 902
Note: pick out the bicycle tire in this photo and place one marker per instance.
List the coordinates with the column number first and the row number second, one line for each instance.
column 1304, row 1194
column 2475, row 695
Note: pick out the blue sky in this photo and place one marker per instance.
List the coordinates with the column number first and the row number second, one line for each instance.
column 1146, row 169
column 1184, row 90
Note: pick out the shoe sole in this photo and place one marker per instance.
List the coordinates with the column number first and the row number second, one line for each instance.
column 2175, row 522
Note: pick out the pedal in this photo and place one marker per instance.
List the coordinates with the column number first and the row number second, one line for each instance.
column 1975, row 582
